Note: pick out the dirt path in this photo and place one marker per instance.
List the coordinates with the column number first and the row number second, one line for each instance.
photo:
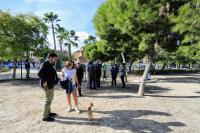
column 171, row 104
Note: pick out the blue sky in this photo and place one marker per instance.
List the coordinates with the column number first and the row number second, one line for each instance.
column 75, row 14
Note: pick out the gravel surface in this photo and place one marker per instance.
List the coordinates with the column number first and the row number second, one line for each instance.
column 171, row 104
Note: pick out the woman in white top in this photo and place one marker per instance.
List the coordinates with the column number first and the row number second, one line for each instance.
column 69, row 73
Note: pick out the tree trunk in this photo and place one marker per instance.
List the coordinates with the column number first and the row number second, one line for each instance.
column 69, row 51
column 61, row 55
column 54, row 38
column 123, row 58
column 144, row 78
column 14, row 68
column 124, row 61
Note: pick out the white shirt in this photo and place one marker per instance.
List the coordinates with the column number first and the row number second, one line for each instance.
column 69, row 74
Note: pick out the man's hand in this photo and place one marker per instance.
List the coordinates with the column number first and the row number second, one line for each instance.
column 45, row 84
column 79, row 86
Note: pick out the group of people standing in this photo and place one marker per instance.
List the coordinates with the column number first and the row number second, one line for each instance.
column 73, row 72
column 94, row 74
column 114, row 73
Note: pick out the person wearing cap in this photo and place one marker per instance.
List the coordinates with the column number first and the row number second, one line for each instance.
column 79, row 74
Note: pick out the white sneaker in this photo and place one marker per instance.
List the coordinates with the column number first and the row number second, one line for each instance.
column 77, row 110
column 69, row 109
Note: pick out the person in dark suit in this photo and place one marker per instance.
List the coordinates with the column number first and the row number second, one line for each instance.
column 79, row 74
column 27, row 67
column 114, row 72
column 48, row 79
column 97, row 68
column 91, row 75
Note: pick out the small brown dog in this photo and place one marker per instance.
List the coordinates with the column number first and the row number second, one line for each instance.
column 90, row 114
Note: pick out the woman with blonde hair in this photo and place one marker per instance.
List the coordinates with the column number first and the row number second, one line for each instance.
column 69, row 73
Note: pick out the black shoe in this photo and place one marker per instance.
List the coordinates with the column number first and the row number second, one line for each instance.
column 80, row 95
column 52, row 114
column 48, row 119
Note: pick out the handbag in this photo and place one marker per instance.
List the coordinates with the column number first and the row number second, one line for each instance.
column 66, row 85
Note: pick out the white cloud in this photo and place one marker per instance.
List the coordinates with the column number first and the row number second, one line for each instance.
column 82, row 35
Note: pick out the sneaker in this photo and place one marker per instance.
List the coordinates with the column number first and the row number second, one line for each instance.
column 77, row 110
column 48, row 119
column 69, row 109
column 52, row 114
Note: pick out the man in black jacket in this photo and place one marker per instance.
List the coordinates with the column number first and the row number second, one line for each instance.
column 91, row 75
column 98, row 73
column 79, row 74
column 48, row 79
column 27, row 67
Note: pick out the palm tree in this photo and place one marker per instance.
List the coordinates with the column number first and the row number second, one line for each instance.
column 91, row 40
column 62, row 35
column 71, row 41
column 52, row 18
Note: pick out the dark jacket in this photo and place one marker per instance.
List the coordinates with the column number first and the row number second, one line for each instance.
column 90, row 70
column 114, row 71
column 79, row 72
column 27, row 65
column 97, row 68
column 48, row 73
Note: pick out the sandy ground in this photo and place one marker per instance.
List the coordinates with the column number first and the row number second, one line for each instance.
column 171, row 104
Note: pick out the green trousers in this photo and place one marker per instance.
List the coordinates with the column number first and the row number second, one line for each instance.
column 49, row 94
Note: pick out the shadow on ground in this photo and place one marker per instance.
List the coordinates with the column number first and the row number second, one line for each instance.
column 130, row 88
column 24, row 82
column 126, row 120
column 114, row 96
column 161, row 96
column 106, row 88
column 181, row 80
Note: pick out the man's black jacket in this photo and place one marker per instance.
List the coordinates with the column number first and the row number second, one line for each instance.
column 79, row 72
column 48, row 73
